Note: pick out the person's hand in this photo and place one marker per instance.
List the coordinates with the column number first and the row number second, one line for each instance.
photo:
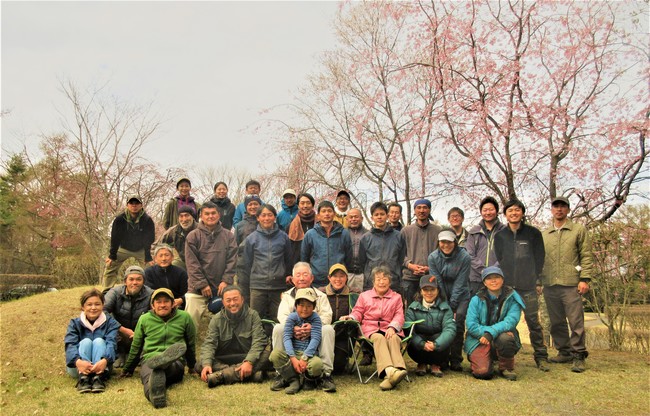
column 99, row 366
column 583, row 287
column 484, row 341
column 207, row 370
column 206, row 292
column 390, row 332
column 126, row 332
column 429, row 346
column 221, row 287
column 302, row 332
column 108, row 261
column 151, row 263
column 539, row 289
column 289, row 280
column 245, row 369
column 126, row 374
column 296, row 364
column 83, row 366
column 178, row 302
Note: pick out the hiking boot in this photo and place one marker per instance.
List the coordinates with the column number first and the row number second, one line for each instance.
column 84, row 384
column 435, row 371
column 327, row 384
column 215, row 379
column 542, row 365
column 456, row 367
column 98, row 385
column 294, row 386
column 509, row 375
column 119, row 361
column 385, row 384
column 171, row 354
column 578, row 365
column 309, row 384
column 561, row 359
column 157, row 389
column 421, row 370
column 366, row 360
column 258, row 377
column 278, row 383
column 397, row 376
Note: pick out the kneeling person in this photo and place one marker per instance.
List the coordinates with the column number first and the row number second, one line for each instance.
column 234, row 349
column 299, row 357
column 492, row 320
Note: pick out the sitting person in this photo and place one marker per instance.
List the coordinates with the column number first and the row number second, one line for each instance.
column 91, row 343
column 126, row 303
column 163, row 335
column 300, row 354
column 492, row 319
column 379, row 311
column 338, row 294
column 176, row 234
column 234, row 349
column 165, row 274
column 432, row 338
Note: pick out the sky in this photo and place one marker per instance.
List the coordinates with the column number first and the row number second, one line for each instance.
column 208, row 68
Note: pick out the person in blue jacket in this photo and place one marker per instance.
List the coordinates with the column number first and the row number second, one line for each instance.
column 492, row 319
column 289, row 203
column 91, row 344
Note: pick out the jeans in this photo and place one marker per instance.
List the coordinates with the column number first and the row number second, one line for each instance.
column 91, row 350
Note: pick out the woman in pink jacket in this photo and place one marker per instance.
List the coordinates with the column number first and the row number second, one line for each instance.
column 379, row 311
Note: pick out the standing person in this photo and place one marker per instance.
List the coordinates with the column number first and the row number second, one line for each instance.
column 165, row 274
column 266, row 264
column 90, row 344
column 421, row 239
column 382, row 245
column 211, row 256
column 480, row 242
column 289, row 209
column 225, row 207
column 253, row 187
column 395, row 216
column 126, row 303
column 492, row 320
column 163, row 336
column 303, row 222
column 520, row 251
column 356, row 231
column 566, row 276
column 248, row 224
column 456, row 216
column 326, row 244
column 182, row 198
column 450, row 265
column 342, row 208
column 175, row 236
column 132, row 234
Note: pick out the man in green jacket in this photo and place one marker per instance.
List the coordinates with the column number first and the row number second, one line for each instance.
column 234, row 349
column 565, row 277
column 162, row 336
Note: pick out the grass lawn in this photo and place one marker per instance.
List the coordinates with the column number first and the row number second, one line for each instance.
column 33, row 382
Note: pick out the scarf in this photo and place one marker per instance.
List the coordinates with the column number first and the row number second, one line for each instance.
column 296, row 232
column 98, row 322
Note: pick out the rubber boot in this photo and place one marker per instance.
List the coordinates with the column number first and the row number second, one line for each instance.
column 290, row 377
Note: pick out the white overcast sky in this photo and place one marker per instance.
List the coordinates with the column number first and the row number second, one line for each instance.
column 208, row 67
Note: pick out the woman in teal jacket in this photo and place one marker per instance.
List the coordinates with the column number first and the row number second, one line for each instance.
column 492, row 319
column 433, row 337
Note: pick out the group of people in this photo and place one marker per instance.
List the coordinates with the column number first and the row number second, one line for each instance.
column 288, row 290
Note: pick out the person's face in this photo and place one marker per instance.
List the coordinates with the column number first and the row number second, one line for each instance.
column 422, row 212
column 221, row 191
column 134, row 282
column 184, row 188
column 253, row 190
column 134, row 207
column 185, row 219
column 493, row 282
column 305, row 206
column 338, row 280
column 266, row 219
column 381, row 283
column 394, row 215
column 326, row 215
column 252, row 207
column 304, row 308
column 302, row 278
column 289, row 200
column 342, row 202
column 429, row 294
column 209, row 216
column 93, row 307
column 446, row 246
column 455, row 219
column 354, row 218
column 514, row 214
column 560, row 211
column 162, row 306
column 489, row 212
column 379, row 218
column 233, row 301
column 164, row 257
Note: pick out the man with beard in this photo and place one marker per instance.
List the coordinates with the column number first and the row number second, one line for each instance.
column 165, row 274
column 176, row 235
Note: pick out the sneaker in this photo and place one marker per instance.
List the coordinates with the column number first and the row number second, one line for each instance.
column 421, row 370
column 366, row 360
column 84, row 384
column 561, row 359
column 397, row 376
column 385, row 384
column 435, row 371
column 578, row 365
column 327, row 384
column 171, row 354
column 157, row 389
column 294, row 386
column 509, row 375
column 542, row 365
column 456, row 367
column 215, row 379
column 98, row 385
column 278, row 383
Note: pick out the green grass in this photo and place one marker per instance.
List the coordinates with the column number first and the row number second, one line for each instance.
column 33, row 382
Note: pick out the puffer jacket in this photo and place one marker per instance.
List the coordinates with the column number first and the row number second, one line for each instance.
column 383, row 246
column 78, row 331
column 511, row 306
column 286, row 215
column 566, row 250
column 481, row 249
column 266, row 260
column 438, row 326
column 322, row 251
column 452, row 272
column 127, row 309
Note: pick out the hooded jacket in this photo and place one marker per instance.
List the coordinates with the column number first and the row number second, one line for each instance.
column 127, row 309
column 78, row 331
column 322, row 251
column 132, row 235
column 266, row 260
column 481, row 248
column 286, row 215
column 452, row 272
column 210, row 258
column 383, row 246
